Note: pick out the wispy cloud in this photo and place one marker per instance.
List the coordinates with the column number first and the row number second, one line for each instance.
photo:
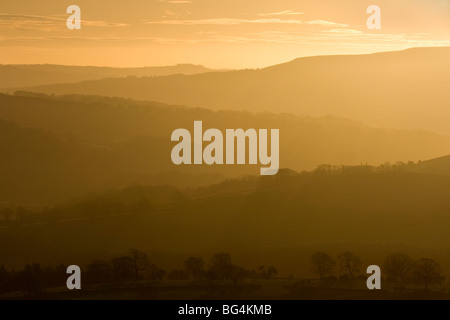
column 281, row 13
column 338, row 38
column 223, row 21
column 345, row 31
column 176, row 1
column 234, row 21
column 326, row 23
column 45, row 23
column 18, row 21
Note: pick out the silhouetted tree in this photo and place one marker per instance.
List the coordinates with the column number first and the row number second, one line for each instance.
column 21, row 213
column 221, row 265
column 4, row 277
column 322, row 264
column 140, row 262
column 211, row 276
column 6, row 213
column 271, row 272
column 427, row 272
column 236, row 274
column 397, row 266
column 98, row 271
column 32, row 279
column 350, row 264
column 194, row 266
column 155, row 273
column 123, row 268
column 267, row 273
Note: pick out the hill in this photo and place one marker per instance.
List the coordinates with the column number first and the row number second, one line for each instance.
column 14, row 76
column 439, row 166
column 405, row 89
column 279, row 220
column 144, row 129
column 39, row 168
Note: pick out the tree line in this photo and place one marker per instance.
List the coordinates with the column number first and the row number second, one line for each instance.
column 397, row 268
column 219, row 270
column 141, row 199
column 33, row 279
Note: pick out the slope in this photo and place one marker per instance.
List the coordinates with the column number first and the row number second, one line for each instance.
column 405, row 89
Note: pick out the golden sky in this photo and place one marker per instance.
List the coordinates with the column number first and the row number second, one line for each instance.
column 217, row 34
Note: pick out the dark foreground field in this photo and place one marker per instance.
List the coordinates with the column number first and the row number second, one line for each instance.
column 275, row 289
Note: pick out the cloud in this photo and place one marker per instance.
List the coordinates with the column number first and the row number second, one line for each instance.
column 225, row 21
column 235, row 21
column 286, row 12
column 326, row 23
column 46, row 23
column 175, row 1
column 101, row 23
column 345, row 31
column 19, row 21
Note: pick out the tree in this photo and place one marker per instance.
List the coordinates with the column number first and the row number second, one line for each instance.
column 31, row 277
column 4, row 277
column 271, row 272
column 22, row 213
column 397, row 266
column 140, row 262
column 427, row 272
column 267, row 273
column 7, row 213
column 221, row 265
column 155, row 273
column 322, row 264
column 350, row 264
column 236, row 274
column 195, row 267
column 123, row 268
column 98, row 271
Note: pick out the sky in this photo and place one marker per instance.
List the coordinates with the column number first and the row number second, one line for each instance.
column 228, row 34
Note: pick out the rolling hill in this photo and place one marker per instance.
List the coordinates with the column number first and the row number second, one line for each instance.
column 281, row 220
column 14, row 76
column 438, row 166
column 305, row 142
column 406, row 89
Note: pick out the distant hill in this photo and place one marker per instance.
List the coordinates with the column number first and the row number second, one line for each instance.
column 405, row 89
column 280, row 220
column 14, row 76
column 63, row 146
column 306, row 142
column 439, row 166
column 38, row 167
column 35, row 165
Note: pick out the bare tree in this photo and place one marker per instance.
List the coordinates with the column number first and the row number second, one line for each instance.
column 267, row 273
column 7, row 213
column 221, row 265
column 271, row 272
column 194, row 266
column 427, row 272
column 322, row 264
column 397, row 266
column 140, row 262
column 21, row 213
column 350, row 264
column 236, row 274
column 123, row 268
